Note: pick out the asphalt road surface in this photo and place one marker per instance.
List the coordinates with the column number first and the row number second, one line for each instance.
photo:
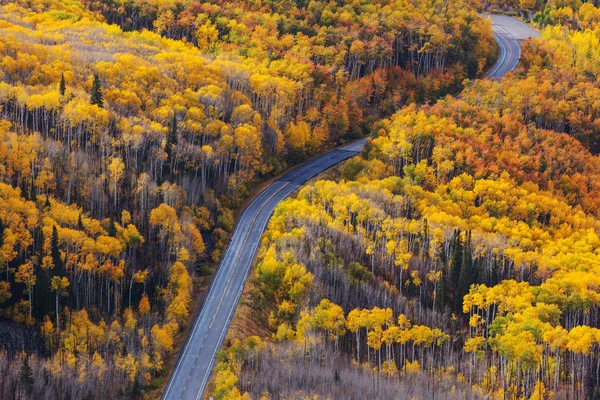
column 508, row 32
column 193, row 369
column 195, row 363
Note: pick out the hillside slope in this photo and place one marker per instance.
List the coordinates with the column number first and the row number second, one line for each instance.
column 125, row 152
column 456, row 257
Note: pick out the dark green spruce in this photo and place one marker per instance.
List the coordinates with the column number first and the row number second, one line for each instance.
column 96, row 93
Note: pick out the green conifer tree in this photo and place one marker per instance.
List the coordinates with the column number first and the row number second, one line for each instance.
column 55, row 252
column 80, row 223
column 33, row 191
column 63, row 85
column 26, row 375
column 112, row 229
column 2, row 227
column 96, row 93
column 466, row 273
column 172, row 139
column 456, row 259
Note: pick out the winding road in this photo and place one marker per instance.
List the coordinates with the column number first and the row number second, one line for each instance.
column 508, row 32
column 195, row 363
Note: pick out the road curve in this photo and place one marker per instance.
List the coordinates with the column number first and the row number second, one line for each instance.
column 192, row 371
column 508, row 32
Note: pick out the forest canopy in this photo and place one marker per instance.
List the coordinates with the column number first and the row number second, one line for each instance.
column 131, row 131
column 460, row 248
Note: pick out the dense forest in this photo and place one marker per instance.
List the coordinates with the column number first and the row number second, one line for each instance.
column 456, row 257
column 131, row 131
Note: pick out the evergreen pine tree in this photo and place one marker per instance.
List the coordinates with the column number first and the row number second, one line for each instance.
column 112, row 229
column 443, row 292
column 24, row 190
column 79, row 222
column 466, row 273
column 40, row 245
column 55, row 252
column 2, row 227
column 136, row 388
column 47, row 203
column 456, row 260
column 425, row 245
column 96, row 93
column 172, row 137
column 493, row 280
column 45, row 302
column 33, row 191
column 26, row 375
column 63, row 85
